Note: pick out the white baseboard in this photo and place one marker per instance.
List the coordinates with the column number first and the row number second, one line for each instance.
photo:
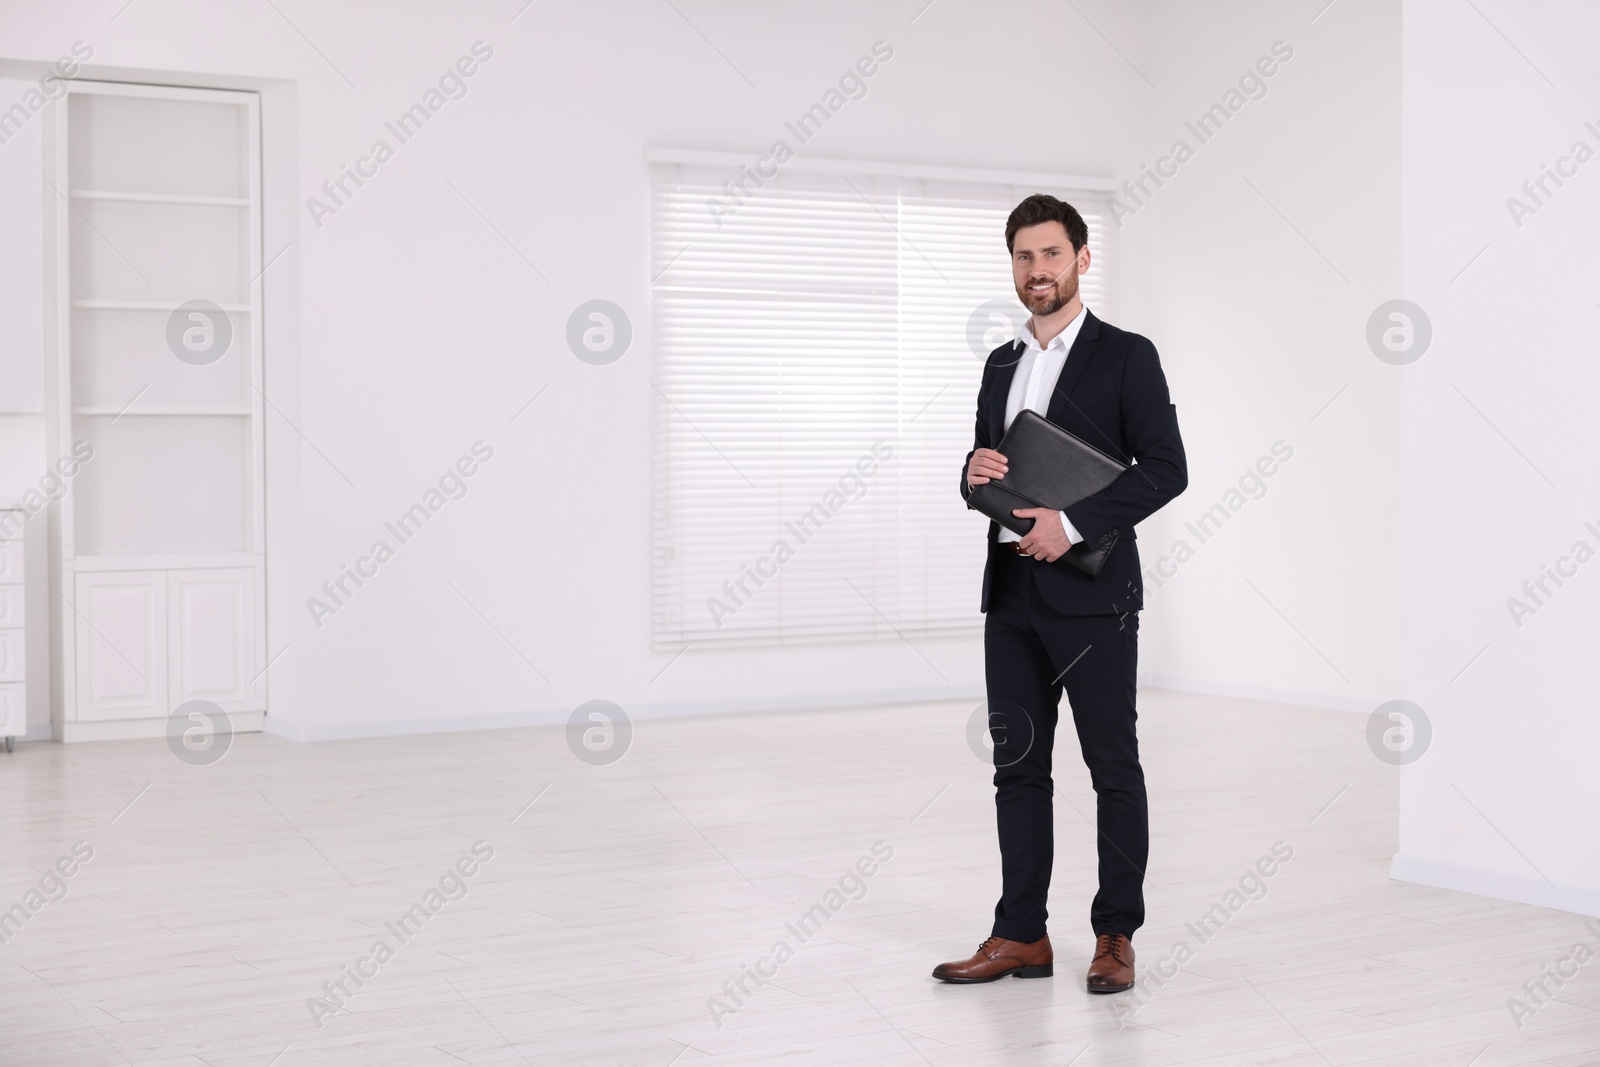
column 279, row 726
column 37, row 731
column 1581, row 900
column 242, row 722
column 1307, row 698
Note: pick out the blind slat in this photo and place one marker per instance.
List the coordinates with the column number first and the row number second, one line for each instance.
column 812, row 346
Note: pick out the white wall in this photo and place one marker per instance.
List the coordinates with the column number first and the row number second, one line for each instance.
column 1260, row 326
column 406, row 327
column 1499, row 450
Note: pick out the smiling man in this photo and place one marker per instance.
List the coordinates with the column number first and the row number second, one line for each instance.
column 1051, row 626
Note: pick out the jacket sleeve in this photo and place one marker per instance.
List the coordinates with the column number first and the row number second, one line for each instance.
column 1150, row 433
column 980, row 434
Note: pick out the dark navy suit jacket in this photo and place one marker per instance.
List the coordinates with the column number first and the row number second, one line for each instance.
column 1112, row 394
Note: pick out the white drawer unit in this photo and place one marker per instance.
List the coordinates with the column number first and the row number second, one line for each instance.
column 13, row 711
column 11, row 560
column 13, row 648
column 13, row 664
column 11, row 606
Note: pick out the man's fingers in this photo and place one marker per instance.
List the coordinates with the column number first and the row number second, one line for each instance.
column 976, row 479
column 989, row 458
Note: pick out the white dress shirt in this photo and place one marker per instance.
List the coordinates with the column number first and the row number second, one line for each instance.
column 1034, row 382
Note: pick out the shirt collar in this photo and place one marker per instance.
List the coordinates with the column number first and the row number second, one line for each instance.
column 1063, row 339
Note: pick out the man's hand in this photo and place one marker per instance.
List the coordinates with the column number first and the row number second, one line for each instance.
column 1046, row 540
column 986, row 463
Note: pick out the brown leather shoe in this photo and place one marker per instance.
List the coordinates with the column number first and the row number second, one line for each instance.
column 1111, row 970
column 997, row 958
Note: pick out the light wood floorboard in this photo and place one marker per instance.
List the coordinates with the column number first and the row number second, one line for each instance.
column 220, row 899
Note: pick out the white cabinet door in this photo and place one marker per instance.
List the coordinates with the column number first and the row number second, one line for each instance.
column 211, row 632
column 121, row 627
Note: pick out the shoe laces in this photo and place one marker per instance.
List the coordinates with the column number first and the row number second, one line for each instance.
column 1111, row 945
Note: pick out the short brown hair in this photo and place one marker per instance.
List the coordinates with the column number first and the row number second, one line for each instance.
column 1042, row 207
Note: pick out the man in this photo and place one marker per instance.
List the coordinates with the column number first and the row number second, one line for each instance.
column 1050, row 625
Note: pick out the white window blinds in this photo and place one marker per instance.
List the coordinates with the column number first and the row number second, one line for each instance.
column 817, row 352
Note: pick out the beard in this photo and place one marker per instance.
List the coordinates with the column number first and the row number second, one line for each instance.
column 1058, row 297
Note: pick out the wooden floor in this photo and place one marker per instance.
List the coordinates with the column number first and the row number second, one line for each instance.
column 619, row 899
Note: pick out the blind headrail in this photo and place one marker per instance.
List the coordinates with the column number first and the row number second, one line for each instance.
column 976, row 175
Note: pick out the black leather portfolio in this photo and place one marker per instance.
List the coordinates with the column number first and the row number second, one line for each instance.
column 1047, row 467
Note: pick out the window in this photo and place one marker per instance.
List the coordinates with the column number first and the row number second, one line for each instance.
column 817, row 353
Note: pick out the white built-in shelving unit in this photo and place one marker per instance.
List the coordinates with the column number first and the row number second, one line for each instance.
column 159, row 548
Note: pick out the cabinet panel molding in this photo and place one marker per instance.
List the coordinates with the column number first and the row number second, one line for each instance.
column 122, row 645
column 210, row 633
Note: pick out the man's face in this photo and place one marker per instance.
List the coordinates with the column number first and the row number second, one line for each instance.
column 1044, row 267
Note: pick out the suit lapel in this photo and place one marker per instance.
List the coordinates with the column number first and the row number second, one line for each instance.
column 1000, row 390
column 1083, row 347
